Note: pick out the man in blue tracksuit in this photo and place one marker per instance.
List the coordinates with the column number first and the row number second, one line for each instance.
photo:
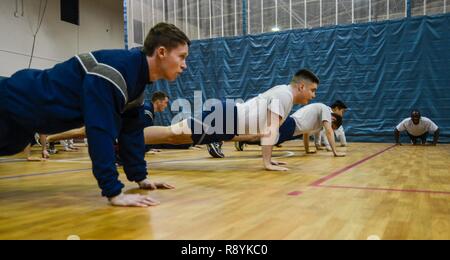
column 103, row 90
column 160, row 101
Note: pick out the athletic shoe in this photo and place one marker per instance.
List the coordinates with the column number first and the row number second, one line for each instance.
column 240, row 146
column 215, row 150
column 52, row 149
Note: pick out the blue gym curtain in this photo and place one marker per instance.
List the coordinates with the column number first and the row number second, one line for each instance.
column 381, row 70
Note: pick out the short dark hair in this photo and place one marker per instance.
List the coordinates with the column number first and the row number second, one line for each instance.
column 416, row 111
column 338, row 121
column 159, row 95
column 305, row 74
column 339, row 104
column 165, row 35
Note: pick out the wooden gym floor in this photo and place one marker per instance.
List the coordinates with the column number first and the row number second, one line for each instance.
column 378, row 191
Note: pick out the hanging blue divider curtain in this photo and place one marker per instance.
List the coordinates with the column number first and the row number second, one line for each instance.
column 381, row 70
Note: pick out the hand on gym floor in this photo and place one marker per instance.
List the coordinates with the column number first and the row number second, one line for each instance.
column 133, row 200
column 36, row 159
column 319, row 148
column 45, row 155
column 276, row 163
column 340, row 155
column 272, row 167
column 148, row 185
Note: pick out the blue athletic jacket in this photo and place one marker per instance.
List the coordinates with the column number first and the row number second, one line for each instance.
column 149, row 111
column 103, row 90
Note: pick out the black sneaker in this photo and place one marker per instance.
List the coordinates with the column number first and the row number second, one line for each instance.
column 215, row 150
column 239, row 146
column 52, row 149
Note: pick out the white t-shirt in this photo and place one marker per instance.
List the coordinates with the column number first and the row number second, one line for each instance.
column 253, row 113
column 309, row 119
column 321, row 138
column 425, row 126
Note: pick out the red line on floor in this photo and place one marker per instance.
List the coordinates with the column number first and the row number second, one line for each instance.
column 384, row 189
column 295, row 193
column 346, row 169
